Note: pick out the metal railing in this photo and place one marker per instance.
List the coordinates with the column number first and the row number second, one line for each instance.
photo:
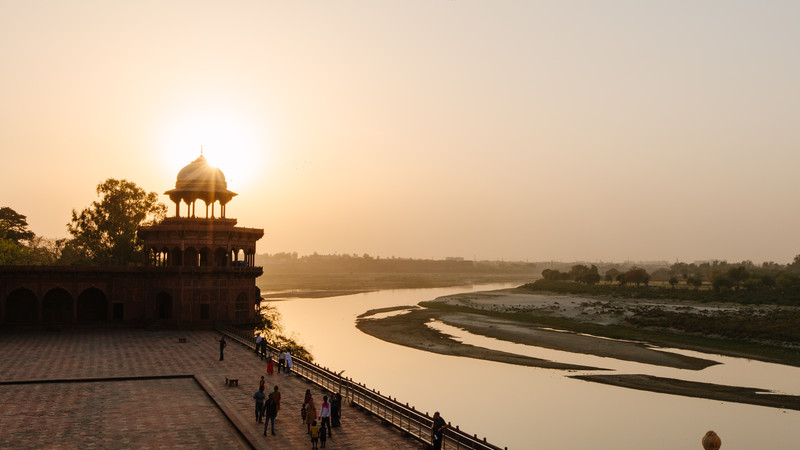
column 402, row 416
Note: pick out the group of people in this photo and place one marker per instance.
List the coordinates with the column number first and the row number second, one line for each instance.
column 284, row 357
column 330, row 412
column 329, row 416
column 267, row 406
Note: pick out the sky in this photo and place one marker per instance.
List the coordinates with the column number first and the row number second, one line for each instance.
column 513, row 130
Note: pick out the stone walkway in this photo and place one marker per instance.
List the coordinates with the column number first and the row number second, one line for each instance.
column 144, row 389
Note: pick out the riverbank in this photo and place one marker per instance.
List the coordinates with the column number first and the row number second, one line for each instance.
column 530, row 319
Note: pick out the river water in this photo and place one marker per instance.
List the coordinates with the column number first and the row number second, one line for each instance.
column 525, row 407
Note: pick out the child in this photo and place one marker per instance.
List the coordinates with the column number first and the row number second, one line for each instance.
column 314, row 434
column 323, row 435
column 303, row 412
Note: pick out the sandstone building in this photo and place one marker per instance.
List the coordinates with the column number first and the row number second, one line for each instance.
column 200, row 271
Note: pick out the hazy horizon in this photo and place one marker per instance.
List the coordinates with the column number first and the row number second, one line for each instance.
column 564, row 131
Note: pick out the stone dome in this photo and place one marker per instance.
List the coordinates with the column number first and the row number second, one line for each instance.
column 200, row 181
column 199, row 173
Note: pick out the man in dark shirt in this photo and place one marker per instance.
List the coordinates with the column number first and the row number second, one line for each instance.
column 222, row 345
column 438, row 430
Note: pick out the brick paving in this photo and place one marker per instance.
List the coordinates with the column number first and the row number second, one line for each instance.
column 144, row 389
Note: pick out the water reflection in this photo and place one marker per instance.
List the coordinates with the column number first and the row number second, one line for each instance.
column 526, row 407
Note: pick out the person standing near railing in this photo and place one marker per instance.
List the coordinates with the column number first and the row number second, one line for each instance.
column 288, row 363
column 281, row 361
column 437, row 430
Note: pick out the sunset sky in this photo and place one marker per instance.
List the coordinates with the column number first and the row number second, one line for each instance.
column 516, row 130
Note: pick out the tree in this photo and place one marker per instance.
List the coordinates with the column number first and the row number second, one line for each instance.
column 738, row 274
column 105, row 232
column 14, row 226
column 694, row 281
column 673, row 281
column 637, row 275
column 722, row 283
column 611, row 274
column 584, row 274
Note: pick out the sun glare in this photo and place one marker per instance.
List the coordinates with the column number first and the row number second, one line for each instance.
column 227, row 141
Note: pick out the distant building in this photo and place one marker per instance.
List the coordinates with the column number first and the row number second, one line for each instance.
column 454, row 258
column 201, row 270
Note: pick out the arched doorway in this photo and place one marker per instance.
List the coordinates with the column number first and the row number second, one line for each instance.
column 190, row 257
column 221, row 257
column 205, row 257
column 21, row 306
column 57, row 306
column 177, row 257
column 92, row 306
column 163, row 306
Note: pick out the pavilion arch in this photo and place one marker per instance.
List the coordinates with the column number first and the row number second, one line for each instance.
column 176, row 257
column 57, row 306
column 205, row 257
column 92, row 305
column 191, row 258
column 163, row 306
column 22, row 306
column 220, row 257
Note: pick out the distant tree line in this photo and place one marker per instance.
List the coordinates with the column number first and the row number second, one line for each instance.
column 353, row 263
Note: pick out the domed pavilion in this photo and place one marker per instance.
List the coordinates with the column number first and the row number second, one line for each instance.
column 200, row 181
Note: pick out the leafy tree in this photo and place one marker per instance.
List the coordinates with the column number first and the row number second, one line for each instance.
column 105, row 232
column 11, row 253
column 722, row 283
column 584, row 274
column 611, row 274
column 673, row 281
column 738, row 274
column 637, row 275
column 14, row 226
column 694, row 281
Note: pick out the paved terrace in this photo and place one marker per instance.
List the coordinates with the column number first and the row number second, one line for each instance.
column 137, row 388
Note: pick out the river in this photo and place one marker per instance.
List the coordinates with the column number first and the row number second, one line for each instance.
column 525, row 407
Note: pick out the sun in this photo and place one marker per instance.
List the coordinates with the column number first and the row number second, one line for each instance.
column 228, row 141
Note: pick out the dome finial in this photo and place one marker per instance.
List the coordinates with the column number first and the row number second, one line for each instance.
column 201, row 149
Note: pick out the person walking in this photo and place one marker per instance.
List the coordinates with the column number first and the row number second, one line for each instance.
column 258, row 343
column 325, row 415
column 271, row 411
column 261, row 383
column 281, row 361
column 259, row 396
column 314, row 432
column 311, row 414
column 276, row 395
column 222, row 345
column 270, row 365
column 322, row 437
column 437, row 430
column 288, row 363
column 336, row 410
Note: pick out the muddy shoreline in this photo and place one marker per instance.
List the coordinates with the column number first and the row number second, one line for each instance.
column 473, row 312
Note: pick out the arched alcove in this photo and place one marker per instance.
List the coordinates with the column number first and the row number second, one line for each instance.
column 92, row 305
column 177, row 257
column 191, row 258
column 205, row 257
column 163, row 306
column 57, row 306
column 221, row 257
column 21, row 306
